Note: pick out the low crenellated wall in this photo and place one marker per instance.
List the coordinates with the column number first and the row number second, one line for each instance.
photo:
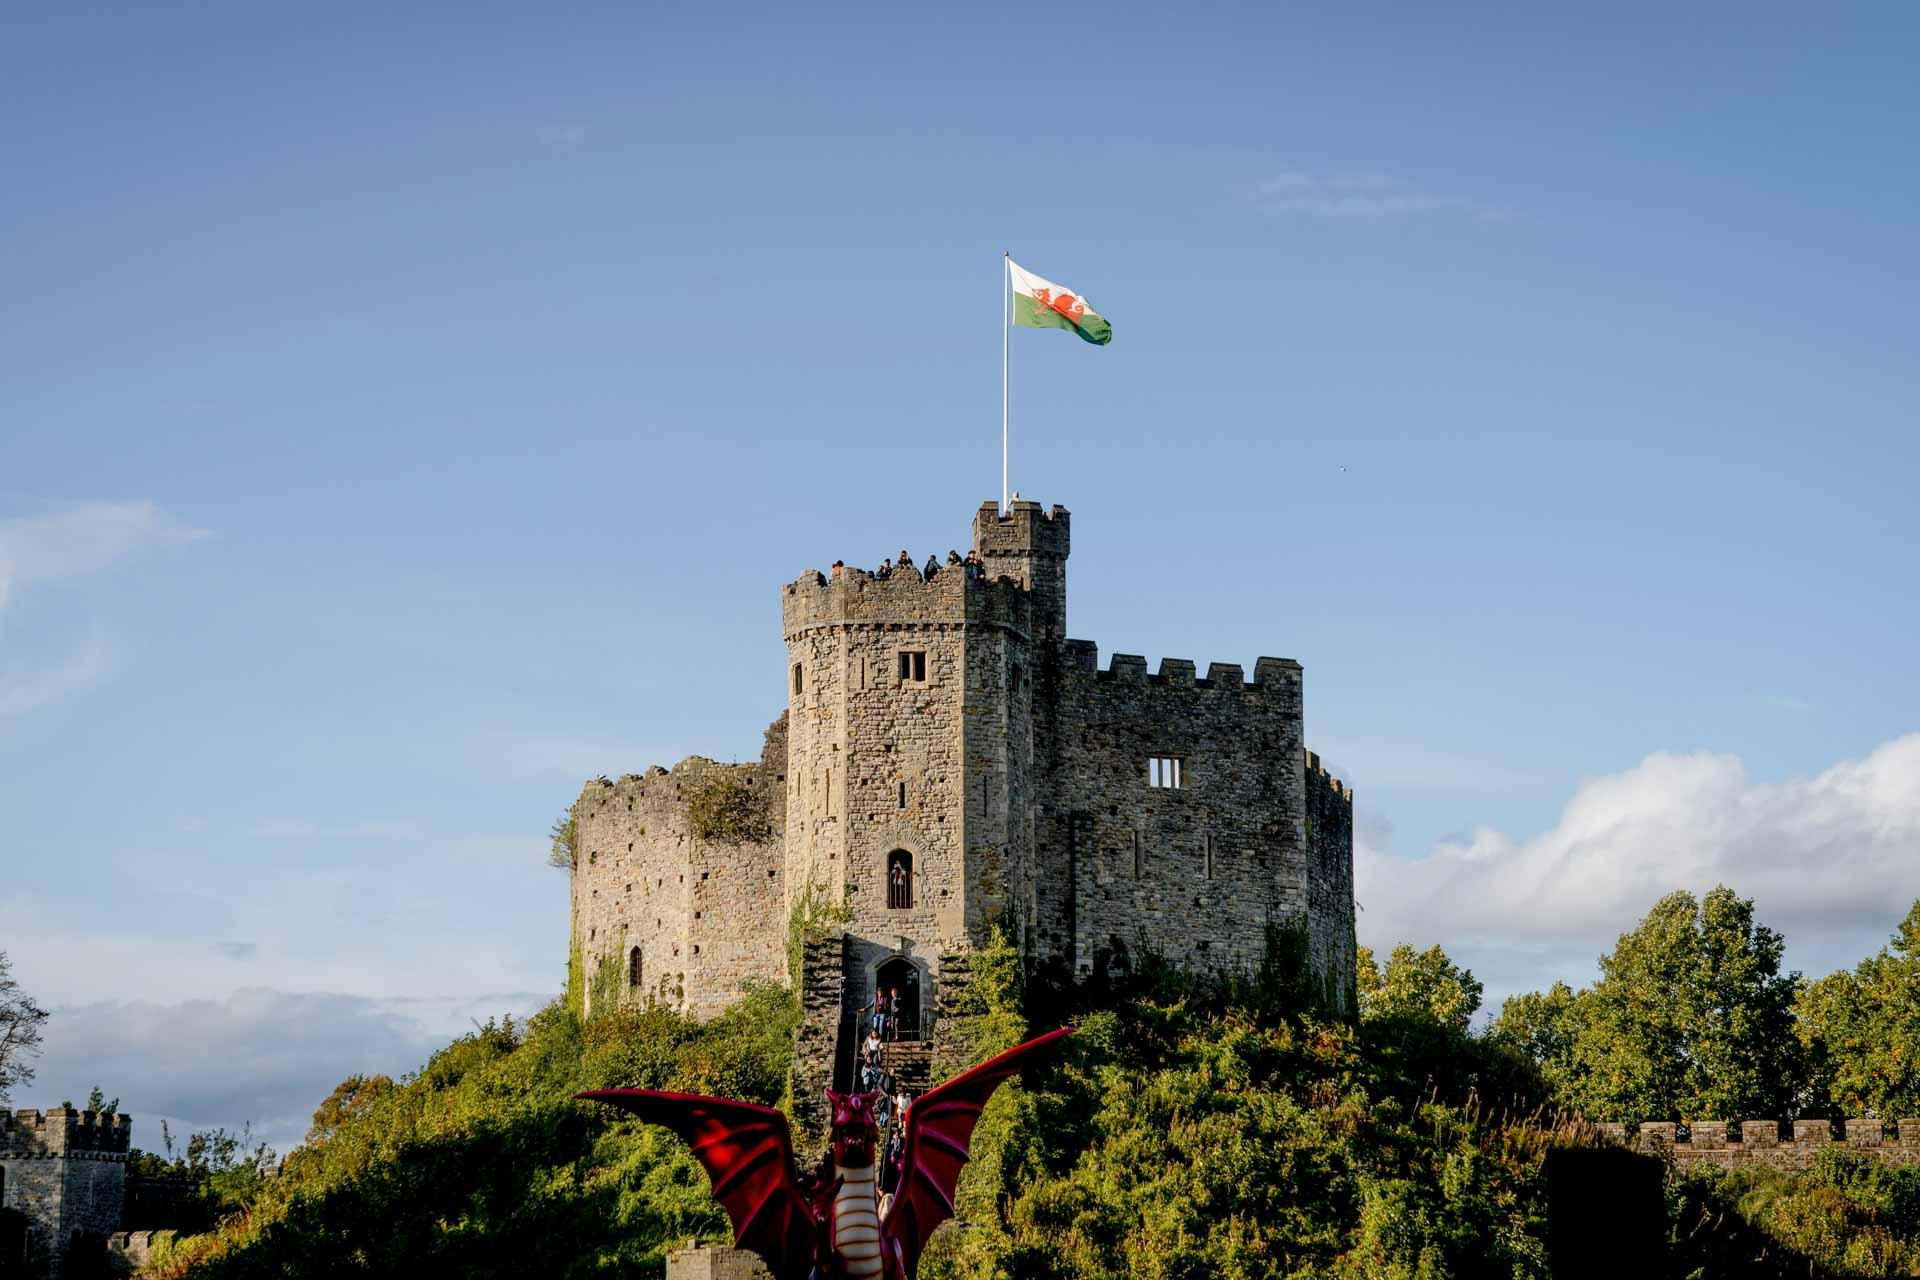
column 1790, row 1145
column 135, row 1248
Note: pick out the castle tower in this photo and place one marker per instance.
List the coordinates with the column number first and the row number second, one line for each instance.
column 907, row 747
column 64, row 1174
column 1029, row 546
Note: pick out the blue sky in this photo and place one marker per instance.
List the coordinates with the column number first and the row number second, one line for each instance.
column 406, row 417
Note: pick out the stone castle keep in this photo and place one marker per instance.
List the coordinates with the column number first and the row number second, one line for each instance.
column 948, row 759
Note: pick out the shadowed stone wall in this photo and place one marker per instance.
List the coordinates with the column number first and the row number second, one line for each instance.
column 65, row 1172
column 1780, row 1144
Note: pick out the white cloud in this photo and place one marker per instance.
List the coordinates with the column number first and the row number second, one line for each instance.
column 21, row 694
column 1360, row 196
column 79, row 539
column 84, row 537
column 258, row 1056
column 1831, row 860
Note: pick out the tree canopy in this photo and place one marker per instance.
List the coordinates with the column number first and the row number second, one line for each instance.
column 20, row 1023
column 1691, row 1018
column 1862, row 1030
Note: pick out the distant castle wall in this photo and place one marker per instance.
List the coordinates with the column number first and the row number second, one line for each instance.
column 65, row 1172
column 1790, row 1145
column 706, row 916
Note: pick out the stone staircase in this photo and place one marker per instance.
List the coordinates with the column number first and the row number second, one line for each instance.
column 911, row 1063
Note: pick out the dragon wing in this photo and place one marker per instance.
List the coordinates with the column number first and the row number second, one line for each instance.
column 747, row 1151
column 939, row 1131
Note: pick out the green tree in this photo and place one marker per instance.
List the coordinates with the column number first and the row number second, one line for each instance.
column 1691, row 1018
column 98, row 1101
column 1540, row 1026
column 349, row 1098
column 1862, row 1029
column 560, row 847
column 20, row 1023
column 1418, row 985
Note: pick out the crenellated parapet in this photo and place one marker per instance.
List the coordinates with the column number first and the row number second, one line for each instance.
column 1270, row 675
column 854, row 597
column 1791, row 1144
column 63, row 1132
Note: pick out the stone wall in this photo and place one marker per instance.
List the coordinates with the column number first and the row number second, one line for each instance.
column 1196, row 872
column 135, row 1249
column 823, row 1046
column 703, row 1262
column 1788, row 1145
column 706, row 915
column 1331, row 937
column 65, row 1172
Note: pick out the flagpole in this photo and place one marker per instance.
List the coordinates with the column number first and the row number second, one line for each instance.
column 1006, row 331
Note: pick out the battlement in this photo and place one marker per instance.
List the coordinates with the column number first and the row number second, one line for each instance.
column 30, row 1133
column 1790, row 1144
column 855, row 596
column 1318, row 777
column 1181, row 673
column 1023, row 529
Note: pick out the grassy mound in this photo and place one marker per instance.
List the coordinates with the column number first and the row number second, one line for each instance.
column 483, row 1165
column 1191, row 1129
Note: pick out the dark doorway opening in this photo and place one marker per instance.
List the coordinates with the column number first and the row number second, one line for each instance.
column 903, row 975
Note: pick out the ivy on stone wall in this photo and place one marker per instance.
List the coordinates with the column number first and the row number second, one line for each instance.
column 721, row 807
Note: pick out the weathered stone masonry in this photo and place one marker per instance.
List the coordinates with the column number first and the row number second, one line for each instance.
column 65, row 1172
column 947, row 723
column 1790, row 1145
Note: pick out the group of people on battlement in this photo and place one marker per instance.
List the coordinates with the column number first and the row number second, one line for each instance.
column 970, row 564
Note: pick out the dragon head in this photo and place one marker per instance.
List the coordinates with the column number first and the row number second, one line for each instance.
column 854, row 1130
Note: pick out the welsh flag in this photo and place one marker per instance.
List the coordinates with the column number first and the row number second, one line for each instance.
column 1042, row 304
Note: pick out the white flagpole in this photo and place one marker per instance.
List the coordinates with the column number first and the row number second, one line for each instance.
column 1006, row 332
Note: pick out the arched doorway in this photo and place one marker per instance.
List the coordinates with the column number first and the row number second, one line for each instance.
column 903, row 975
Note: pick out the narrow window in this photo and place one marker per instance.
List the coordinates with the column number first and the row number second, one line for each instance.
column 1139, row 856
column 899, row 880
column 829, row 789
column 1164, row 772
column 633, row 969
column 903, row 795
column 913, row 666
column 1209, row 851
column 799, row 680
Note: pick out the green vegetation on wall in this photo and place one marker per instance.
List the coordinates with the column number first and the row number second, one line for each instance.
column 721, row 808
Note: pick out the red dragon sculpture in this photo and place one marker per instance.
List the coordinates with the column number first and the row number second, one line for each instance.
column 836, row 1233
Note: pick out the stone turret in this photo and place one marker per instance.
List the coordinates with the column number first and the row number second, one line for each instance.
column 1031, row 547
column 64, row 1172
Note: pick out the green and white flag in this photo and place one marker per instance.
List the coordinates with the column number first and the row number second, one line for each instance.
column 1042, row 304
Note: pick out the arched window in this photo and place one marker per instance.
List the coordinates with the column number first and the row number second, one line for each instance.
column 899, row 879
column 633, row 968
